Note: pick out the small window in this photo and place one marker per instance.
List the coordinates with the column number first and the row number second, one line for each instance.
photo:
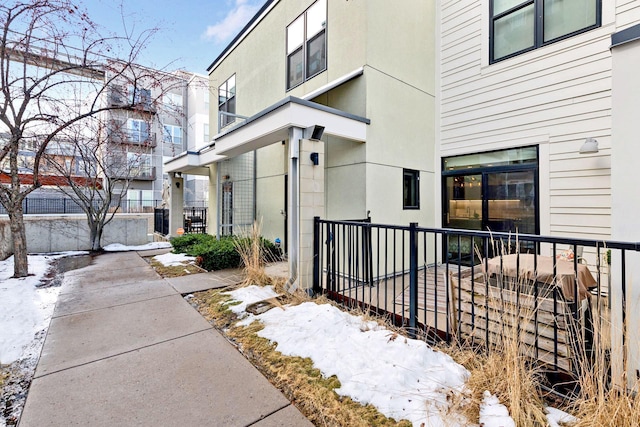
column 206, row 132
column 172, row 101
column 411, row 189
column 518, row 26
column 172, row 134
column 227, row 101
column 137, row 130
column 307, row 44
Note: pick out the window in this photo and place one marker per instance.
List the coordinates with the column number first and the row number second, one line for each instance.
column 518, row 26
column 495, row 191
column 307, row 44
column 172, row 101
column 172, row 134
column 139, row 96
column 137, row 130
column 206, row 132
column 227, row 102
column 410, row 189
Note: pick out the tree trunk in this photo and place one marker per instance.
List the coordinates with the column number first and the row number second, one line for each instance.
column 95, row 235
column 19, row 237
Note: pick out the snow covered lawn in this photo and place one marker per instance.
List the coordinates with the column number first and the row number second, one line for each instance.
column 403, row 378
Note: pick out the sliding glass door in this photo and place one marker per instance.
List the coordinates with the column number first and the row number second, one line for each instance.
column 496, row 191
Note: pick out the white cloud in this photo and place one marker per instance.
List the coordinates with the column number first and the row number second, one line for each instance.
column 237, row 17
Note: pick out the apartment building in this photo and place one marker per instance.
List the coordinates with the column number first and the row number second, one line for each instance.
column 337, row 58
column 161, row 115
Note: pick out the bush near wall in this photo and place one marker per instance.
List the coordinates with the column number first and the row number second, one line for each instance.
column 213, row 254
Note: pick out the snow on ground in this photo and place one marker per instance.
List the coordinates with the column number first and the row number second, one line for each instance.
column 25, row 309
column 119, row 247
column 556, row 417
column 403, row 378
column 493, row 413
column 170, row 260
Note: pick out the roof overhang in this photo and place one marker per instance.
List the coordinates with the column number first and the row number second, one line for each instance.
column 188, row 162
column 272, row 125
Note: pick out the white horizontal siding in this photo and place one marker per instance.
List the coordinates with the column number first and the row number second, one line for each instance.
column 555, row 96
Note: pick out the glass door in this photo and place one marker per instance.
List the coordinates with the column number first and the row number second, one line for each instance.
column 464, row 210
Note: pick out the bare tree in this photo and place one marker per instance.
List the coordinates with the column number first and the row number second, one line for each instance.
column 54, row 74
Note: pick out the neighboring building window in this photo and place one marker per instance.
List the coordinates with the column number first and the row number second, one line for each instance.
column 206, row 132
column 307, row 44
column 137, row 130
column 411, row 189
column 172, row 134
column 227, row 101
column 518, row 26
column 172, row 101
column 139, row 96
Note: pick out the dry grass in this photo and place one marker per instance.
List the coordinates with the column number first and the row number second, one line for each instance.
column 175, row 270
column 503, row 370
column 253, row 255
column 296, row 377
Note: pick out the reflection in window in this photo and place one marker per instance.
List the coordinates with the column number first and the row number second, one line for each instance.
column 516, row 25
column 307, row 44
column 227, row 101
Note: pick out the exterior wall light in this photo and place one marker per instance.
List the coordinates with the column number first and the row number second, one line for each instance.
column 313, row 133
column 314, row 159
column 590, row 146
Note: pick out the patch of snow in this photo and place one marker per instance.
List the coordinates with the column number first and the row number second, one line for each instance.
column 247, row 296
column 170, row 260
column 119, row 247
column 493, row 413
column 556, row 417
column 403, row 378
column 25, row 309
column 25, row 313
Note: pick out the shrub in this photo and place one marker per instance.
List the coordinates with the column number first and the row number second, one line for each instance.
column 216, row 254
column 212, row 254
column 184, row 243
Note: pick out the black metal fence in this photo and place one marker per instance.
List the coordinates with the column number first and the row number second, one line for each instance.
column 194, row 220
column 161, row 221
column 66, row 205
column 556, row 295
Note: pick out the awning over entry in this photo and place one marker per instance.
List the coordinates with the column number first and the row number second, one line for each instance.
column 270, row 126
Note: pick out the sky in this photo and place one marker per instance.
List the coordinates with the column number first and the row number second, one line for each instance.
column 192, row 33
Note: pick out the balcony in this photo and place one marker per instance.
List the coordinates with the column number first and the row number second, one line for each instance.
column 125, row 136
column 141, row 103
column 136, row 173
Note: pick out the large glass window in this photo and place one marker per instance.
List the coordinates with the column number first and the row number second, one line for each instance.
column 518, row 26
column 493, row 191
column 227, row 101
column 307, row 44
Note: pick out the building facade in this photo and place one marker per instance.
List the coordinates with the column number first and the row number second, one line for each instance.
column 162, row 114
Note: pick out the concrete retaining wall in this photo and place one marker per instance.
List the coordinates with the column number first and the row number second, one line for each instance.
column 53, row 233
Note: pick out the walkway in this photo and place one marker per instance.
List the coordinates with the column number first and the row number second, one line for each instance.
column 125, row 348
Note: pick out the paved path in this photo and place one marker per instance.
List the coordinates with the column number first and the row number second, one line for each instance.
column 125, row 349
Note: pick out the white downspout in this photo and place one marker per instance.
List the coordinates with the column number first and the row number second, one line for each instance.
column 293, row 209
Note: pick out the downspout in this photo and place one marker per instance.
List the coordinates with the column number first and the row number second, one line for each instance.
column 295, row 134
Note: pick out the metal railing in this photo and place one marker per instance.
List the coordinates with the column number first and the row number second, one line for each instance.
column 195, row 220
column 66, row 205
column 474, row 287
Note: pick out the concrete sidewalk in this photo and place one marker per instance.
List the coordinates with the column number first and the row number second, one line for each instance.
column 124, row 348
